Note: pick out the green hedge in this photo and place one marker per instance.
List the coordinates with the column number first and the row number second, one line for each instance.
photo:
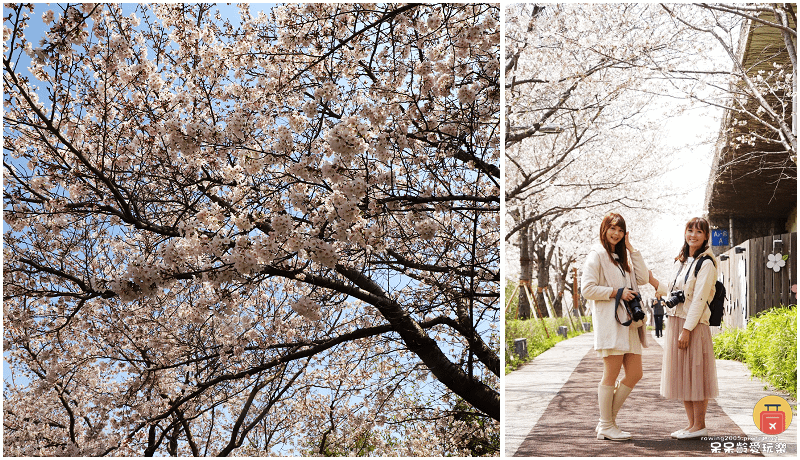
column 768, row 346
column 533, row 330
column 538, row 342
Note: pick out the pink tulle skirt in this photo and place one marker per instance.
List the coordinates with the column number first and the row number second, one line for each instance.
column 690, row 374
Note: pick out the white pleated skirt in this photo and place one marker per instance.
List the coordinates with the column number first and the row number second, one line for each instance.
column 633, row 340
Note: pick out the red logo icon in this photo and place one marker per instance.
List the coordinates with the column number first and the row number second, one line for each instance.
column 772, row 415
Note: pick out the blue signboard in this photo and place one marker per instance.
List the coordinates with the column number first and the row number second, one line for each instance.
column 719, row 237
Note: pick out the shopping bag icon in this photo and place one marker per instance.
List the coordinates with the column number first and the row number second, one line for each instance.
column 773, row 421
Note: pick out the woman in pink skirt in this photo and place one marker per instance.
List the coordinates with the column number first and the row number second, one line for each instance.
column 689, row 371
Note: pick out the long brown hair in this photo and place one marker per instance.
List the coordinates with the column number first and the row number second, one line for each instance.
column 611, row 219
column 700, row 224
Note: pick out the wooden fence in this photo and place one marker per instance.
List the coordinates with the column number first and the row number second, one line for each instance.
column 751, row 286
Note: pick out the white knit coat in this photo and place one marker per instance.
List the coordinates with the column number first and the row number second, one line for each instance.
column 601, row 277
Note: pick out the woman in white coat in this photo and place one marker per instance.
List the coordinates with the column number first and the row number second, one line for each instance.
column 608, row 270
column 689, row 371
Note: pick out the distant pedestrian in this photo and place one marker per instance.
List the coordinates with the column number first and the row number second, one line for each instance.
column 608, row 277
column 689, row 371
column 658, row 315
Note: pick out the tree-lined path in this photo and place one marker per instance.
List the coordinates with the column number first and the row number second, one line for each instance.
column 561, row 419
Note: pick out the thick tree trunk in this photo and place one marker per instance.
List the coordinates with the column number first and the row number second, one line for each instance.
column 558, row 300
column 562, row 274
column 543, row 257
column 542, row 280
column 526, row 273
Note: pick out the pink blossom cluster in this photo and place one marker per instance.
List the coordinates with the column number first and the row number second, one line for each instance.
column 346, row 138
column 382, row 147
column 140, row 278
column 323, row 252
column 307, row 307
column 243, row 222
column 284, row 139
column 328, row 91
column 242, row 256
column 426, row 228
column 467, row 94
column 282, row 224
column 341, row 208
column 310, row 108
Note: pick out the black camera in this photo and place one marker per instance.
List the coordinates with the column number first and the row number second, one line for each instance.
column 635, row 307
column 675, row 297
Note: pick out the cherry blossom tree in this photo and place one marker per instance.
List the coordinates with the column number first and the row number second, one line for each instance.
column 582, row 122
column 582, row 75
column 758, row 93
column 271, row 235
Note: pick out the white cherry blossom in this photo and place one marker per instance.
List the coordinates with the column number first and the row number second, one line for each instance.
column 274, row 233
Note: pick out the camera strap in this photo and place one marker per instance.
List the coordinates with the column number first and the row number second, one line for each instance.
column 689, row 270
column 616, row 309
column 675, row 281
column 699, row 262
column 618, row 298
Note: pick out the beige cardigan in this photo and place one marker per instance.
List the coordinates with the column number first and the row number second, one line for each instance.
column 698, row 291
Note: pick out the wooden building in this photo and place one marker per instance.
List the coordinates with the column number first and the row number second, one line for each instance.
column 751, row 197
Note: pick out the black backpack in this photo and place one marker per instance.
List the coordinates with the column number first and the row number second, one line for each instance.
column 717, row 304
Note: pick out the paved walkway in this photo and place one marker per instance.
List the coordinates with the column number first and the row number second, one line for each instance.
column 550, row 409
